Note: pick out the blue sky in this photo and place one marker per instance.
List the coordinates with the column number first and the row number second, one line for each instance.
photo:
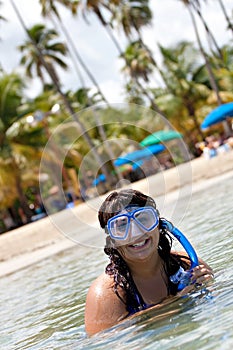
column 171, row 23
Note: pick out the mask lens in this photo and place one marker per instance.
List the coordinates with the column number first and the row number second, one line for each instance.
column 146, row 218
column 118, row 227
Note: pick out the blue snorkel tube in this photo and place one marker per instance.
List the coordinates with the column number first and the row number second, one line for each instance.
column 181, row 277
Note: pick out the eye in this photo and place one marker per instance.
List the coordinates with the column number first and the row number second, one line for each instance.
column 121, row 224
column 145, row 218
column 142, row 217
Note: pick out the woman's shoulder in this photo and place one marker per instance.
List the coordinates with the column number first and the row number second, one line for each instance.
column 103, row 287
column 102, row 280
column 100, row 288
column 103, row 307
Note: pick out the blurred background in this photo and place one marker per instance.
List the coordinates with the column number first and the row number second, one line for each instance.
column 85, row 83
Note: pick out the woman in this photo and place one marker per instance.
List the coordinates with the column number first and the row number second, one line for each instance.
column 141, row 262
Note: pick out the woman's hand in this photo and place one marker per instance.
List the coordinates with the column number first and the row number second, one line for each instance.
column 201, row 275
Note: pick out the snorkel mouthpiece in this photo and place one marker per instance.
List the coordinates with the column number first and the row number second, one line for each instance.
column 181, row 277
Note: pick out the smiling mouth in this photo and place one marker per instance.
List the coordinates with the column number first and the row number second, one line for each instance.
column 140, row 244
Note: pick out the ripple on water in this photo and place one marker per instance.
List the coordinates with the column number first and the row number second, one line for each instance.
column 46, row 300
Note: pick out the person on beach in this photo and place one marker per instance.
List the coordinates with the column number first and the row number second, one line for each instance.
column 141, row 262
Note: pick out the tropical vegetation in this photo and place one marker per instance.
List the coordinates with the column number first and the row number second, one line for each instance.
column 44, row 140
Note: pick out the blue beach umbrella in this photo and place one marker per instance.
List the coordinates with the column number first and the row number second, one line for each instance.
column 135, row 156
column 218, row 115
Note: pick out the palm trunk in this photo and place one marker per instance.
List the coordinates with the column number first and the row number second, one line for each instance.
column 82, row 63
column 230, row 25
column 99, row 125
column 71, row 55
column 191, row 111
column 207, row 29
column 21, row 195
column 207, row 62
column 107, row 145
column 57, row 154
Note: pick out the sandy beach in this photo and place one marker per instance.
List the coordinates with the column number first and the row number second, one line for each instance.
column 39, row 240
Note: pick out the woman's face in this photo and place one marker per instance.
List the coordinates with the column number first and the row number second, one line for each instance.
column 139, row 244
column 142, row 248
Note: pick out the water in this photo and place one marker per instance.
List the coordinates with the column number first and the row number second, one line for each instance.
column 42, row 306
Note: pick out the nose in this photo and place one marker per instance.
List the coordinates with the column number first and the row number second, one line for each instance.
column 135, row 230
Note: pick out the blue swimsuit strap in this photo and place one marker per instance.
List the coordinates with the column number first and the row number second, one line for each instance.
column 141, row 305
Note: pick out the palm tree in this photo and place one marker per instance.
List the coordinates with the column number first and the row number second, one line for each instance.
column 139, row 61
column 130, row 15
column 139, row 65
column 48, row 9
column 197, row 8
column 223, row 69
column 139, row 15
column 66, row 102
column 12, row 147
column 136, row 14
column 191, row 4
column 53, row 52
column 186, row 83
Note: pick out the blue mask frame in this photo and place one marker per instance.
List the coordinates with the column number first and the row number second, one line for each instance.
column 131, row 215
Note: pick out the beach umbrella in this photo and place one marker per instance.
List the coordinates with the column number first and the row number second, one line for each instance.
column 160, row 136
column 218, row 115
column 141, row 154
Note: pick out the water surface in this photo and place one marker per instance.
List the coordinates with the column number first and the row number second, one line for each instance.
column 42, row 306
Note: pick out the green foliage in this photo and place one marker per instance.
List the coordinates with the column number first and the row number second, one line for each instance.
column 130, row 15
column 139, row 61
column 42, row 42
column 187, row 86
column 11, row 87
column 184, row 95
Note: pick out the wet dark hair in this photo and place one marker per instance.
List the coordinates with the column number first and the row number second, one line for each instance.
column 117, row 267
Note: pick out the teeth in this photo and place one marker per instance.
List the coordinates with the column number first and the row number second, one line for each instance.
column 140, row 244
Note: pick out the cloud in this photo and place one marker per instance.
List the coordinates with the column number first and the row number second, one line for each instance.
column 171, row 23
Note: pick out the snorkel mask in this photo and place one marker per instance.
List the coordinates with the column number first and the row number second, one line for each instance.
column 131, row 223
